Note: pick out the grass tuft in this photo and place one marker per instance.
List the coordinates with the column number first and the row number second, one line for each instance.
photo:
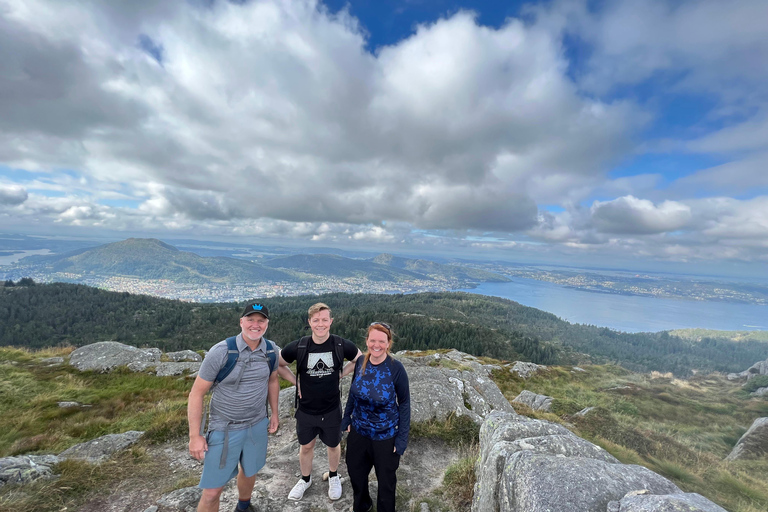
column 455, row 430
column 459, row 482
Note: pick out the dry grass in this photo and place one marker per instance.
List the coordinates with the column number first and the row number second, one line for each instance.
column 682, row 429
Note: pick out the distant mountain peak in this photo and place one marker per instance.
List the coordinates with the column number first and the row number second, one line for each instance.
column 144, row 243
column 384, row 258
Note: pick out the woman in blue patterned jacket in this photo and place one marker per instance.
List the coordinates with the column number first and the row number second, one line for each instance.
column 378, row 419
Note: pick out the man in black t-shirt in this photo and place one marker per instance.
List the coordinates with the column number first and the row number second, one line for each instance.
column 319, row 412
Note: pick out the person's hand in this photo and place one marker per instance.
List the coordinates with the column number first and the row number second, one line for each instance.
column 348, row 428
column 274, row 423
column 197, row 447
column 394, row 450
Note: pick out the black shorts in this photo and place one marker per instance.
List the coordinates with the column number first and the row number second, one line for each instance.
column 327, row 426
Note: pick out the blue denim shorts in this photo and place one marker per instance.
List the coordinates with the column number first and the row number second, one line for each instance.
column 247, row 446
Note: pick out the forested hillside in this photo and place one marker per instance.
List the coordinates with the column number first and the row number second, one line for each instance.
column 43, row 315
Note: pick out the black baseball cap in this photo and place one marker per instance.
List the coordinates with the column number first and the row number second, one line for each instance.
column 255, row 307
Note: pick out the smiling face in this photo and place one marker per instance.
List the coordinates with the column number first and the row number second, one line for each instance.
column 378, row 344
column 320, row 323
column 253, row 327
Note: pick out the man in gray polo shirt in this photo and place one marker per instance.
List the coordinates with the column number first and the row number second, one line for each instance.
column 237, row 433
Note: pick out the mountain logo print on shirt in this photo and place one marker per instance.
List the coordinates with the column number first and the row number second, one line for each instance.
column 320, row 364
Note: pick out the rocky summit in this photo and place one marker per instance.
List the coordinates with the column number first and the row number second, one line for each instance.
column 523, row 464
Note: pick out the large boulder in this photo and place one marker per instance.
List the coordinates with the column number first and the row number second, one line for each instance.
column 682, row 502
column 753, row 444
column 107, row 355
column 452, row 383
column 525, row 370
column 26, row 468
column 759, row 368
column 534, row 401
column 502, row 435
column 100, row 449
column 535, row 482
column 528, row 465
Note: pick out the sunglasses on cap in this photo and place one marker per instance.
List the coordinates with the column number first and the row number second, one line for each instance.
column 386, row 326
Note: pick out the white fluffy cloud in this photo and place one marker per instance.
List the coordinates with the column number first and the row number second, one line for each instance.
column 273, row 109
column 629, row 215
column 269, row 118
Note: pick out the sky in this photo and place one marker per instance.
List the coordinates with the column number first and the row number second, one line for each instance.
column 622, row 131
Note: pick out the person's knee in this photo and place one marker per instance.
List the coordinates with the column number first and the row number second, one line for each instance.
column 308, row 448
column 211, row 495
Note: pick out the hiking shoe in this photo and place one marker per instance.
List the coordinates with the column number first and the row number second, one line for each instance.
column 334, row 487
column 298, row 490
column 249, row 509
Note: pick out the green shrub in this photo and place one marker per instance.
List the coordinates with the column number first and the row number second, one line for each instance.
column 755, row 383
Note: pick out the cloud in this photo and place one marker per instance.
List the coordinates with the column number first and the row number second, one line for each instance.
column 728, row 220
column 270, row 118
column 12, row 195
column 275, row 110
column 629, row 215
column 706, row 45
column 739, row 177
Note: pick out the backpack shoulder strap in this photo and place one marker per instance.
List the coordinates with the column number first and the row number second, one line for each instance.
column 232, row 354
column 338, row 346
column 271, row 354
column 301, row 355
column 301, row 352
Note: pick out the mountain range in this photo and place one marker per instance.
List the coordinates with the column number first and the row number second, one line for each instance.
column 146, row 258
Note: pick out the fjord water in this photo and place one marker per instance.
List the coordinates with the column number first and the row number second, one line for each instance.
column 629, row 313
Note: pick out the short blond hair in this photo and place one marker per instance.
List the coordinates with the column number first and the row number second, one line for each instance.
column 316, row 308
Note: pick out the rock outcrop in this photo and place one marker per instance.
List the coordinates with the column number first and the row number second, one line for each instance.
column 107, row 355
column 181, row 500
column 534, row 401
column 528, row 465
column 452, row 383
column 184, row 355
column 26, row 468
column 98, row 450
column 171, row 369
column 525, row 370
column 759, row 368
column 753, row 444
column 525, row 465
column 682, row 502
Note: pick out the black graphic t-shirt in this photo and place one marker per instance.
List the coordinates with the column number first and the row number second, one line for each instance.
column 319, row 379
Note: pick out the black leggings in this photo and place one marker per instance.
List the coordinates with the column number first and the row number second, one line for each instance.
column 364, row 453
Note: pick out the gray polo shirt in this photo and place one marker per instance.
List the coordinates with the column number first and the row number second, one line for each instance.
column 238, row 398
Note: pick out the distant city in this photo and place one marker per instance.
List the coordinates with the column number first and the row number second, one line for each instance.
column 238, row 292
column 151, row 267
column 642, row 284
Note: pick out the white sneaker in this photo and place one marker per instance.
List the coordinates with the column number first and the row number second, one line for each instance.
column 334, row 487
column 298, row 490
